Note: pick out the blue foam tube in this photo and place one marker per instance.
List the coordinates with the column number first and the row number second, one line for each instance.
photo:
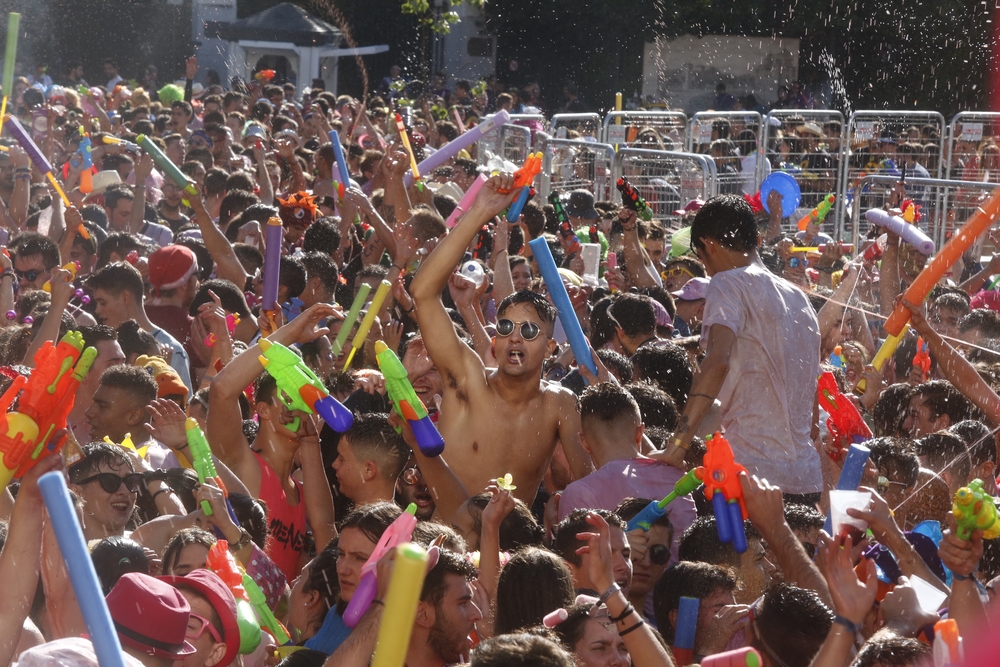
column 338, row 155
column 736, row 524
column 557, row 291
column 687, row 622
column 81, row 570
column 721, row 518
column 514, row 212
column 851, row 474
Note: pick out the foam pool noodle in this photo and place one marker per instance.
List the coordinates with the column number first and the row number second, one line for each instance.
column 366, row 324
column 352, row 317
column 402, row 597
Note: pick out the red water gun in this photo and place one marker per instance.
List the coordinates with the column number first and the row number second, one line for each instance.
column 570, row 242
column 45, row 404
column 721, row 476
column 922, row 359
column 631, row 199
column 845, row 423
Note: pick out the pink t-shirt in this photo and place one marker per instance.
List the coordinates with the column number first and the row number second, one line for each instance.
column 640, row 477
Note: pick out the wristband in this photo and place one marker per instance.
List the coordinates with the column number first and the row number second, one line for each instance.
column 625, row 613
column 8, row 273
column 961, row 577
column 679, row 443
column 166, row 490
column 852, row 627
column 622, row 633
column 244, row 541
column 614, row 588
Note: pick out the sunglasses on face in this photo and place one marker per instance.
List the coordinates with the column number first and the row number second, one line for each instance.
column 29, row 276
column 659, row 554
column 197, row 626
column 111, row 482
column 676, row 272
column 529, row 330
column 411, row 476
column 795, row 263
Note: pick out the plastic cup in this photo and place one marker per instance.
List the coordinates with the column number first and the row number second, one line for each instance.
column 591, row 255
column 929, row 597
column 840, row 502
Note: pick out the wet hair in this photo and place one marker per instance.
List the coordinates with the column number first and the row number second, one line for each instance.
column 95, row 455
column 292, row 274
column 436, row 582
column 618, row 364
column 566, row 543
column 979, row 440
column 372, row 520
column 893, row 651
column 523, row 650
column 97, row 333
column 181, row 539
column 319, row 265
column 634, row 314
column 115, row 556
column 943, row 450
column 231, row 297
column 373, row 439
column 323, row 576
column 895, row 453
column 890, row 410
column 251, row 515
column 518, row 529
column 791, row 624
column 629, row 508
column 700, row 543
column 984, row 319
column 656, row 406
column 533, row 583
column 729, row 221
column 426, row 532
column 29, row 244
column 942, row 398
column 668, row 367
column 134, row 340
column 322, row 236
column 607, row 402
column 691, row 579
column 546, row 311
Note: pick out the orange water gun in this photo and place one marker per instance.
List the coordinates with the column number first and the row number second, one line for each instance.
column 721, row 476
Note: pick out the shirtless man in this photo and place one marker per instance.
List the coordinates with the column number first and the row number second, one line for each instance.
column 507, row 419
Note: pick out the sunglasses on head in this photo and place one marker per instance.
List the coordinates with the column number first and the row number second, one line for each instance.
column 529, row 330
column 111, row 482
column 795, row 263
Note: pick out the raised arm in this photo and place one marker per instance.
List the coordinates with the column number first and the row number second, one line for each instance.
column 143, row 169
column 503, row 281
column 227, row 264
column 453, row 357
column 640, row 267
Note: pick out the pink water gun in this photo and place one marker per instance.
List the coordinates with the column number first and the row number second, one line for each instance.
column 232, row 319
column 399, row 532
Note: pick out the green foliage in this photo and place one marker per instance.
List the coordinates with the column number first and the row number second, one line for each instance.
column 428, row 17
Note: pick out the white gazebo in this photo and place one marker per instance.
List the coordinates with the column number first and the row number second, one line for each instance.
column 311, row 47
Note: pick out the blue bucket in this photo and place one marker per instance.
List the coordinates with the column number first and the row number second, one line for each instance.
column 787, row 186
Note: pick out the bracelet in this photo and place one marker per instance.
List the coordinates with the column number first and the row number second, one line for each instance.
column 138, row 187
column 401, row 268
column 618, row 619
column 961, row 577
column 22, row 176
column 612, row 589
column 622, row 633
column 852, row 627
column 157, row 494
column 712, row 398
column 7, row 273
column 22, row 170
column 243, row 542
column 679, row 442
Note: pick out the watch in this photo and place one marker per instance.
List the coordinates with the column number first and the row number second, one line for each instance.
column 243, row 542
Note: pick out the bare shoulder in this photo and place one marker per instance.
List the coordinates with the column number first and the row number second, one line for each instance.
column 557, row 395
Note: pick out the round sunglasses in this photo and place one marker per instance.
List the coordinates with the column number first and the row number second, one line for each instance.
column 529, row 330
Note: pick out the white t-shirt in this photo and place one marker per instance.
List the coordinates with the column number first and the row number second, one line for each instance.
column 767, row 398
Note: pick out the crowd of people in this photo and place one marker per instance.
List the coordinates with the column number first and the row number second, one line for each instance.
column 530, row 513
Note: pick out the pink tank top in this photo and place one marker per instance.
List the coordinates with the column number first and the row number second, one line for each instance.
column 286, row 525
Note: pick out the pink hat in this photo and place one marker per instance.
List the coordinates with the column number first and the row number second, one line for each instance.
column 693, row 290
column 171, row 266
column 150, row 615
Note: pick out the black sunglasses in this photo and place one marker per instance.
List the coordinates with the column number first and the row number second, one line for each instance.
column 529, row 330
column 30, row 276
column 659, row 554
column 111, row 482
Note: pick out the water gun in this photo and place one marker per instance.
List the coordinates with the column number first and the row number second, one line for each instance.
column 974, row 509
column 201, row 461
column 87, row 175
column 922, row 359
column 818, row 214
column 654, row 510
column 721, row 475
column 405, row 138
column 264, row 614
column 845, row 423
column 352, row 317
column 166, row 165
column 523, row 178
column 687, row 626
column 220, row 560
column 948, row 647
column 401, row 600
column 741, row 657
column 72, row 267
column 632, row 200
column 481, row 250
column 300, row 389
column 45, row 404
column 406, row 402
column 837, row 357
column 124, row 143
column 570, row 241
column 399, row 532
column 232, row 319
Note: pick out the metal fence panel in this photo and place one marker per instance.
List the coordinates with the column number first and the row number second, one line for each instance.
column 971, row 154
column 667, row 180
column 708, row 126
column 630, row 129
column 808, row 145
column 873, row 146
column 574, row 164
column 587, row 124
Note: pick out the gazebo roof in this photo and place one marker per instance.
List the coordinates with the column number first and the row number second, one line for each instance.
column 283, row 23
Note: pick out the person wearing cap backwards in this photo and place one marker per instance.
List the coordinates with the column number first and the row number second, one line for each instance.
column 173, row 274
column 152, row 620
column 212, row 629
column 690, row 304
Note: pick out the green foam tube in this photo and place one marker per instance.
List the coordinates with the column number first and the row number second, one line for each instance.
column 352, row 317
column 13, row 30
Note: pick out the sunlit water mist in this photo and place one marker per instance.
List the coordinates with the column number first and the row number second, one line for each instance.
column 837, row 87
column 333, row 14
